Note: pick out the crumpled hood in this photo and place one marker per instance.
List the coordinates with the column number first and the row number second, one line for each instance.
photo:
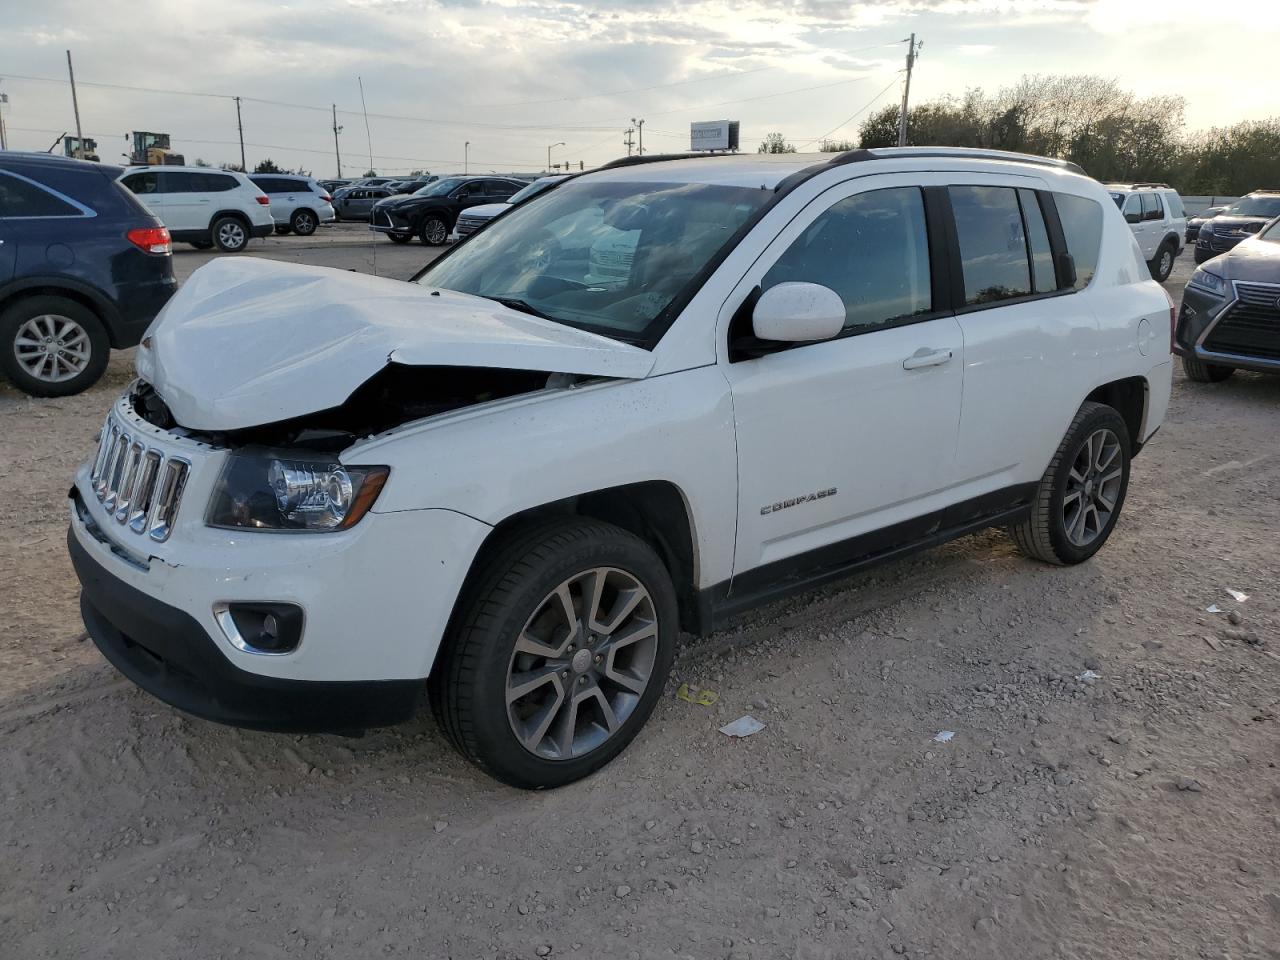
column 247, row 342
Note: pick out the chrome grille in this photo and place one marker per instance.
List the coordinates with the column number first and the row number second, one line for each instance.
column 468, row 225
column 139, row 486
column 1250, row 326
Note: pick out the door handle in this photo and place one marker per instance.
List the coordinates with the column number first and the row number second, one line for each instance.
column 924, row 357
column 204, row 201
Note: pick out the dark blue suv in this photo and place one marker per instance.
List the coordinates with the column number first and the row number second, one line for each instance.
column 84, row 267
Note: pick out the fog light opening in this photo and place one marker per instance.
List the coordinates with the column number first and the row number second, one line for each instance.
column 259, row 627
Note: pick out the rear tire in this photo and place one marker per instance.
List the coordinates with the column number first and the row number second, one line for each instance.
column 230, row 234
column 303, row 223
column 1079, row 498
column 1202, row 372
column 51, row 346
column 590, row 672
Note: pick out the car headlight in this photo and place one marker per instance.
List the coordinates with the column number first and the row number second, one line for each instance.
column 280, row 490
column 1209, row 282
column 1206, row 226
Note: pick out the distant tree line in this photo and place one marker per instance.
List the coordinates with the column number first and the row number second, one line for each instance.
column 1113, row 134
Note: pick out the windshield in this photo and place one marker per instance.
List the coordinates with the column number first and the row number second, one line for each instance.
column 440, row 187
column 1255, row 207
column 604, row 256
column 1272, row 233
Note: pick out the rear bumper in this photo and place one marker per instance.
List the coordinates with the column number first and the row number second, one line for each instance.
column 137, row 305
column 166, row 652
column 263, row 229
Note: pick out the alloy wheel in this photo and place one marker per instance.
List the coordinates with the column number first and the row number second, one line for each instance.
column 52, row 348
column 303, row 223
column 581, row 663
column 1166, row 263
column 437, row 232
column 231, row 235
column 1093, row 487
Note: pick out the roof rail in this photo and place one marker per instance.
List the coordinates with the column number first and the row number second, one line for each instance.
column 654, row 158
column 1265, row 190
column 1148, row 186
column 968, row 153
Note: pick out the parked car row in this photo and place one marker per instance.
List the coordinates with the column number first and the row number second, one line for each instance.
column 1243, row 219
column 1157, row 220
column 431, row 212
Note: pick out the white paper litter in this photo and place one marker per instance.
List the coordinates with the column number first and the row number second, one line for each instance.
column 1213, row 608
column 742, row 727
column 1088, row 675
column 1237, row 595
column 943, row 736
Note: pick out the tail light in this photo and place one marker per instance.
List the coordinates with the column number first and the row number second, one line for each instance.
column 263, row 199
column 326, row 198
column 151, row 239
column 1173, row 321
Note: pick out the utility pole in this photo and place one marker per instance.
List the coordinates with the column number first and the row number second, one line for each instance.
column 367, row 135
column 560, row 144
column 336, row 130
column 75, row 105
column 4, row 143
column 240, row 127
column 629, row 139
column 640, row 127
column 466, row 153
column 912, row 50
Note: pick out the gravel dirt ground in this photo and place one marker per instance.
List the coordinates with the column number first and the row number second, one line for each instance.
column 1132, row 812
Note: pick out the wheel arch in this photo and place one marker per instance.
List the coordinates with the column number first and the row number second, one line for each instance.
column 231, row 212
column 656, row 511
column 80, row 293
column 1130, row 398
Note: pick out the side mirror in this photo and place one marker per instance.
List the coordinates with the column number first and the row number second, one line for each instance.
column 798, row 313
column 1133, row 217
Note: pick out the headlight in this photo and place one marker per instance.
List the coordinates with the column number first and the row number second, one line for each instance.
column 1206, row 227
column 1209, row 282
column 279, row 490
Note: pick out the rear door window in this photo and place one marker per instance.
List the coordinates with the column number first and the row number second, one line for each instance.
column 872, row 249
column 1152, row 208
column 993, row 244
column 21, row 198
column 142, row 183
column 1082, row 229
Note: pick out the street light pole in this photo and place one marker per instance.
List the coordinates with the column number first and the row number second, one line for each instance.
column 466, row 151
column 560, row 144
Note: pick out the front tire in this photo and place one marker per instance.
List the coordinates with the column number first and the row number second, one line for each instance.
column 230, row 234
column 558, row 653
column 1202, row 372
column 51, row 346
column 303, row 223
column 434, row 232
column 1079, row 498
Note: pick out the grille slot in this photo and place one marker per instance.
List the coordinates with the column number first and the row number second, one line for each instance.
column 140, row 486
column 1250, row 327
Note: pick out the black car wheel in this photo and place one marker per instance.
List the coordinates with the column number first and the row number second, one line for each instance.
column 1079, row 498
column 1202, row 372
column 435, row 231
column 561, row 648
column 303, row 223
column 230, row 234
column 400, row 237
column 51, row 346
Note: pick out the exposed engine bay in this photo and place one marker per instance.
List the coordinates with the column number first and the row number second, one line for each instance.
column 396, row 395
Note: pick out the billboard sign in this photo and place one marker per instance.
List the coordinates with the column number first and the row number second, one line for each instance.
column 713, row 135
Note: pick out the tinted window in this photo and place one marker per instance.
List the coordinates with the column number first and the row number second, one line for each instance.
column 1133, row 206
column 1152, row 208
column 273, row 184
column 1082, row 226
column 18, row 198
column 873, row 250
column 500, row 188
column 1255, row 206
column 142, row 183
column 1043, row 277
column 993, row 244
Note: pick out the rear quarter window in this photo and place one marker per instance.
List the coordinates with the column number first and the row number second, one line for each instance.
column 1082, row 228
column 20, row 198
column 1174, row 203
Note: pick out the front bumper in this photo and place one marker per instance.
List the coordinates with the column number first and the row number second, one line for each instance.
column 376, row 598
column 167, row 653
column 1229, row 330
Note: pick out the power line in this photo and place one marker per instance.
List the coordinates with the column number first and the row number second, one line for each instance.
column 859, row 112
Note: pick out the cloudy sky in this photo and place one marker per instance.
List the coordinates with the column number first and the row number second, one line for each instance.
column 515, row 76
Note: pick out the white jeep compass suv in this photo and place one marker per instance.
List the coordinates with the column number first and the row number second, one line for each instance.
column 512, row 482
column 203, row 206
